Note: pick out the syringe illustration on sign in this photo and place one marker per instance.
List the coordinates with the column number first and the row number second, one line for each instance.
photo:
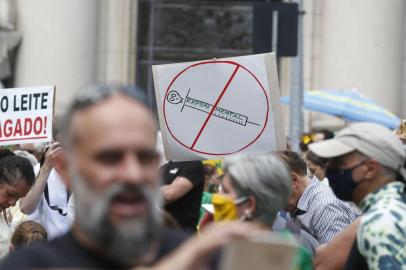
column 174, row 97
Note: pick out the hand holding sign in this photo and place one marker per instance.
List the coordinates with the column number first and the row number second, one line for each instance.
column 51, row 153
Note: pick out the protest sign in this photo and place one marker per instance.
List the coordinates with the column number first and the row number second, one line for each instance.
column 259, row 255
column 26, row 114
column 211, row 109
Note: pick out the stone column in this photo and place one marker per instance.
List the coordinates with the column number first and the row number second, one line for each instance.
column 362, row 48
column 117, row 39
column 58, row 46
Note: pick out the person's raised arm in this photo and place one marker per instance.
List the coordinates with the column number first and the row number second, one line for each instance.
column 30, row 202
column 190, row 176
column 195, row 253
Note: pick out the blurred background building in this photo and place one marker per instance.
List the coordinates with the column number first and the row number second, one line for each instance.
column 71, row 43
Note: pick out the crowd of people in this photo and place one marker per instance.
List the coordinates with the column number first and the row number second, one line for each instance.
column 98, row 197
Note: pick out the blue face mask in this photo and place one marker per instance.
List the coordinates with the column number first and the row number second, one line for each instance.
column 341, row 181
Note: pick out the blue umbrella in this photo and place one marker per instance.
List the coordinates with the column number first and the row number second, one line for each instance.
column 349, row 105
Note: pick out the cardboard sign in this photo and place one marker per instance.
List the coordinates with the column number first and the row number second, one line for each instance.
column 26, row 114
column 211, row 109
column 258, row 255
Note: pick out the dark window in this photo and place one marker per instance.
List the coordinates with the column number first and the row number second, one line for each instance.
column 179, row 31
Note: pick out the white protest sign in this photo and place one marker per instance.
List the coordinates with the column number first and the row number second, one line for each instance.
column 211, row 109
column 26, row 114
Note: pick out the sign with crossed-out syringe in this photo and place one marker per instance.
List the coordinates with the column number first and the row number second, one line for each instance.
column 220, row 107
column 174, row 97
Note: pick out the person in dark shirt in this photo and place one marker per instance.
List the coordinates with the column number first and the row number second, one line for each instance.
column 111, row 166
column 182, row 189
column 67, row 252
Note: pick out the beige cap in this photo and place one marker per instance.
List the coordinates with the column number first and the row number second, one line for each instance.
column 373, row 140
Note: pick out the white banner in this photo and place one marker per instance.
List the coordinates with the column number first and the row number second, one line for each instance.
column 211, row 109
column 26, row 114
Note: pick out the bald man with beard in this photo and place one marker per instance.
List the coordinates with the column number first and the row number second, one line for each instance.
column 111, row 166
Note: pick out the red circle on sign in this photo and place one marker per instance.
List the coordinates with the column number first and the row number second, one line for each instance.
column 215, row 62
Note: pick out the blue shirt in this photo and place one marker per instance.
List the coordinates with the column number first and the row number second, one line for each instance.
column 283, row 223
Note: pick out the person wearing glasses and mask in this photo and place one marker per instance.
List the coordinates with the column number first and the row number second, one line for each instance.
column 48, row 202
column 366, row 166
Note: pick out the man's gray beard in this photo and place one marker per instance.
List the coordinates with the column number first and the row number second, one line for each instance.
column 127, row 243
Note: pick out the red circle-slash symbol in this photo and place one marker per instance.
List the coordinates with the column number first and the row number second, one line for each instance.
column 237, row 68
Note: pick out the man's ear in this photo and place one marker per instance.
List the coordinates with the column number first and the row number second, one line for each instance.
column 373, row 169
column 295, row 180
column 61, row 168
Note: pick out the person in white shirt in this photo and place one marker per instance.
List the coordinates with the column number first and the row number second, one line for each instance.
column 49, row 199
column 9, row 219
column 12, row 216
column 16, row 178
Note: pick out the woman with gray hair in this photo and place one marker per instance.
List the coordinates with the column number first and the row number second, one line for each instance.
column 259, row 184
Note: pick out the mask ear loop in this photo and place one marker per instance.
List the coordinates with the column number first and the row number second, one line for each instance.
column 247, row 215
column 241, row 200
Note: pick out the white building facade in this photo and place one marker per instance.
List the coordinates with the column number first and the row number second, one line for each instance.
column 347, row 44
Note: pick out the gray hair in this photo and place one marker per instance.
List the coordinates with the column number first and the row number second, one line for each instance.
column 92, row 95
column 264, row 177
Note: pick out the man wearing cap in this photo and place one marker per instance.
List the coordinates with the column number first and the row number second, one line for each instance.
column 366, row 166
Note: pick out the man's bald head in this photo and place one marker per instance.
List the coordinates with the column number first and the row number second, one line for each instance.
column 95, row 94
column 111, row 160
